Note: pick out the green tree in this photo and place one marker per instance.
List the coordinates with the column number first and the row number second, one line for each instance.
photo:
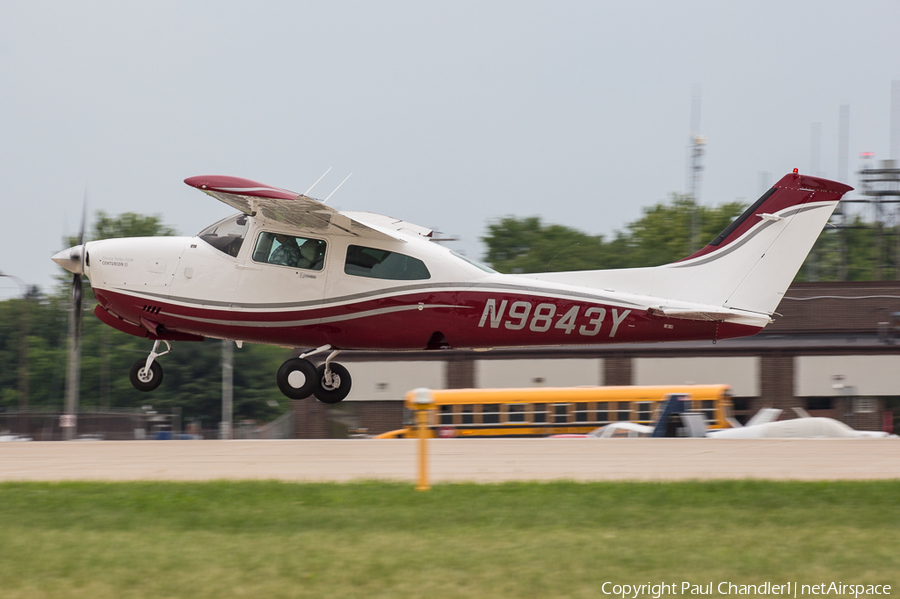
column 129, row 224
column 663, row 234
column 660, row 236
column 527, row 245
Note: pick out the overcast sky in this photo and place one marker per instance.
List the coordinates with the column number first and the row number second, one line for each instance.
column 448, row 114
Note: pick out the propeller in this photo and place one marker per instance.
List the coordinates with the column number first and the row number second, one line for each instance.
column 73, row 261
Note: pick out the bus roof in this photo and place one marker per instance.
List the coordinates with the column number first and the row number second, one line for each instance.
column 570, row 394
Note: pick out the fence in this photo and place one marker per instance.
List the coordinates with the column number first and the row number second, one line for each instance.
column 119, row 424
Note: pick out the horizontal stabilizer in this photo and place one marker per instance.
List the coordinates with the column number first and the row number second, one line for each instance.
column 711, row 314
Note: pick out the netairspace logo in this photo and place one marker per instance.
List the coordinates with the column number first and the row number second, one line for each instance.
column 787, row 589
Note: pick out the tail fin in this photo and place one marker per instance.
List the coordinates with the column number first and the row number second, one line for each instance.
column 747, row 267
column 752, row 262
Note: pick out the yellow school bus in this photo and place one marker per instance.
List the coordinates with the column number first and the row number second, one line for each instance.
column 539, row 412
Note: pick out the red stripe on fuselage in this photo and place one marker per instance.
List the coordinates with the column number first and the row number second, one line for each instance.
column 472, row 318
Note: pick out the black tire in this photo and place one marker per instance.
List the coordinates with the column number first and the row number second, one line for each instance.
column 146, row 381
column 340, row 387
column 297, row 378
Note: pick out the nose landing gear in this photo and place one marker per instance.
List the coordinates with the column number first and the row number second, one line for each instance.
column 146, row 375
column 330, row 382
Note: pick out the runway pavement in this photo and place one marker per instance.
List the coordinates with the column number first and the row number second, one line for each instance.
column 477, row 460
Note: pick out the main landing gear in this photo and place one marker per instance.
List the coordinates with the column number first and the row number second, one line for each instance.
column 330, row 382
column 146, row 375
column 297, row 378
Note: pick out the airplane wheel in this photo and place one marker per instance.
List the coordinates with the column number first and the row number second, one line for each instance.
column 340, row 384
column 144, row 380
column 297, row 378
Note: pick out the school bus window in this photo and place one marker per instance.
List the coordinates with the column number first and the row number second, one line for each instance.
column 624, row 412
column 644, row 410
column 601, row 413
column 515, row 413
column 581, row 412
column 468, row 416
column 540, row 413
column 490, row 413
column 560, row 413
column 709, row 410
column 446, row 415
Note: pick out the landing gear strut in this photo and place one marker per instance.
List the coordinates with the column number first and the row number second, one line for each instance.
column 146, row 375
column 330, row 382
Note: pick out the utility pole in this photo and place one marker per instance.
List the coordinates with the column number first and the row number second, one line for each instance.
column 68, row 422
column 225, row 427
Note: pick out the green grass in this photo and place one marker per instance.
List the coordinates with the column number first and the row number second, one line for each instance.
column 268, row 539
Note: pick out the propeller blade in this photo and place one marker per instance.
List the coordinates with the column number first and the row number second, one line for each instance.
column 76, row 306
column 83, row 219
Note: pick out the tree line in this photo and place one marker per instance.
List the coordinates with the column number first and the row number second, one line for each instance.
column 855, row 251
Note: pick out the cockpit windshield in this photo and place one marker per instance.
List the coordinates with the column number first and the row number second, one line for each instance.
column 227, row 235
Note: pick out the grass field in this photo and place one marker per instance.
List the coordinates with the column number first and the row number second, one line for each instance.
column 268, row 539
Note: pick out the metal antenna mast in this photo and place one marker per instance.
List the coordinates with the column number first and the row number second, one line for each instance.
column 696, row 170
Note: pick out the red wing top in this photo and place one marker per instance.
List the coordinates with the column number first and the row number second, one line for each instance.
column 283, row 206
column 236, row 186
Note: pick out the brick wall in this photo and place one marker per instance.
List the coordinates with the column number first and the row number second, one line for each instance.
column 380, row 416
column 310, row 419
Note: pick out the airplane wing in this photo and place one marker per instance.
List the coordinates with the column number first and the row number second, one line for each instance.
column 611, row 429
column 288, row 207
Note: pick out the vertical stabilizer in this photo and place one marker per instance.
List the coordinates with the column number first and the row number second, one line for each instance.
column 753, row 261
column 747, row 267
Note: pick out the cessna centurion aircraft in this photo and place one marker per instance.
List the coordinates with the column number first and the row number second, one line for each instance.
column 292, row 271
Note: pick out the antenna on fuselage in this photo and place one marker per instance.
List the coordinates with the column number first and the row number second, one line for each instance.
column 317, row 181
column 338, row 187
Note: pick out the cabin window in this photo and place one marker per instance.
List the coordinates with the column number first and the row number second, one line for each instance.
column 382, row 264
column 288, row 250
column 227, row 235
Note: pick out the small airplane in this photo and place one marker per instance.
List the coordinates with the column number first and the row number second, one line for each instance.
column 765, row 425
column 290, row 270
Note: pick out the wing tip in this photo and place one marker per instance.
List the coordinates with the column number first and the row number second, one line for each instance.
column 239, row 186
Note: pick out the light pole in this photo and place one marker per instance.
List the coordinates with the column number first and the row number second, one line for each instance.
column 23, row 342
